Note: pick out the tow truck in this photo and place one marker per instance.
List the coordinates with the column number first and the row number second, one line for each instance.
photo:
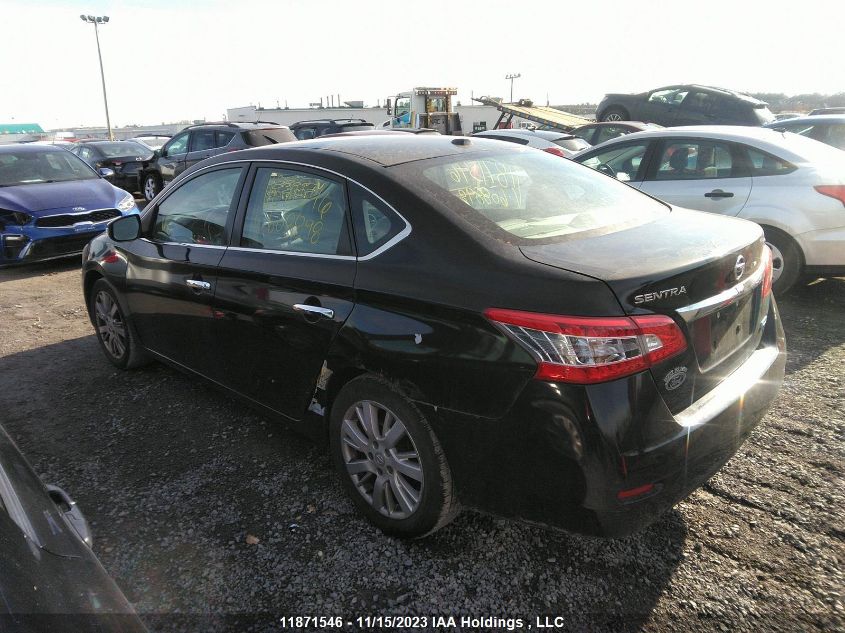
column 424, row 107
column 545, row 116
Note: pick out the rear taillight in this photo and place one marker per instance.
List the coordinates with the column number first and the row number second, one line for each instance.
column 834, row 191
column 556, row 151
column 767, row 273
column 587, row 350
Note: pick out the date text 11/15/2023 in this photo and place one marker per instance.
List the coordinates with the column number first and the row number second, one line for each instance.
column 405, row 622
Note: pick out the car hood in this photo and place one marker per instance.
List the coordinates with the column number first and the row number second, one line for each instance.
column 95, row 193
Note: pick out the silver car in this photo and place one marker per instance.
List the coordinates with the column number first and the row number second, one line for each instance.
column 793, row 186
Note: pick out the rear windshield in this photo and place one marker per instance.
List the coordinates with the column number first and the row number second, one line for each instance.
column 533, row 195
column 127, row 148
column 268, row 136
column 356, row 128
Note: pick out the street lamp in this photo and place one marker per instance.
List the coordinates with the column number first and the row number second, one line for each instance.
column 513, row 76
column 97, row 20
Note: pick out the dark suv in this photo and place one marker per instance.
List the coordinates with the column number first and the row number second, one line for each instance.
column 685, row 105
column 304, row 130
column 198, row 142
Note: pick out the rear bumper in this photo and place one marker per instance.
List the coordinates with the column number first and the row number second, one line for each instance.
column 824, row 248
column 563, row 453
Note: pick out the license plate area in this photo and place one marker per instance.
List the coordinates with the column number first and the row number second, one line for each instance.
column 718, row 335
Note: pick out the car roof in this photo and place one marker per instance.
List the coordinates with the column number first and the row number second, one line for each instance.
column 33, row 148
column 386, row 149
column 546, row 135
column 815, row 119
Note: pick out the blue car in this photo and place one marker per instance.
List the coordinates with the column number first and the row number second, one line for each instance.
column 52, row 203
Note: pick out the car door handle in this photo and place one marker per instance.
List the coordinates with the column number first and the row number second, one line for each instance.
column 318, row 310
column 718, row 193
column 198, row 285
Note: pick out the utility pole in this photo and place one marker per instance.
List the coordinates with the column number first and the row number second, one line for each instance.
column 512, row 76
column 97, row 20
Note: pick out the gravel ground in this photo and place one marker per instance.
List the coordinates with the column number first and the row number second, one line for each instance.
column 208, row 514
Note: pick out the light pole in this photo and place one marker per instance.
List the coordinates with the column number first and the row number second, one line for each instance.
column 513, row 76
column 97, row 20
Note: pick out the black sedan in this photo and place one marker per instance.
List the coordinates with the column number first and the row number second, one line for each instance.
column 123, row 157
column 464, row 322
column 50, row 579
column 685, row 105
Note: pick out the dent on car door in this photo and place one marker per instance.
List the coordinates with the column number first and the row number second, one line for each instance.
column 285, row 286
column 172, row 270
column 707, row 175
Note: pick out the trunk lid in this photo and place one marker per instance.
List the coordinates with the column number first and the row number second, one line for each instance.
column 703, row 270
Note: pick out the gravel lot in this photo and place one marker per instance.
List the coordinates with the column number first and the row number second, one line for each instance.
column 208, row 514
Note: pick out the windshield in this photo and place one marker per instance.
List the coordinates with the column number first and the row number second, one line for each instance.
column 535, row 195
column 126, row 148
column 28, row 167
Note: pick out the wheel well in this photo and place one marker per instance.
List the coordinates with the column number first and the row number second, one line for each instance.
column 91, row 278
column 613, row 106
column 337, row 381
column 768, row 229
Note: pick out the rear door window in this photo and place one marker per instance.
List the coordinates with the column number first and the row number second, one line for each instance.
column 764, row 164
column 296, row 211
column 695, row 160
column 203, row 140
column 223, row 138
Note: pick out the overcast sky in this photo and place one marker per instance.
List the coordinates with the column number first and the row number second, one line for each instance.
column 169, row 60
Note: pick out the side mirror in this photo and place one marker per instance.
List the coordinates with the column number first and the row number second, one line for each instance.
column 125, row 229
column 389, row 106
column 106, row 173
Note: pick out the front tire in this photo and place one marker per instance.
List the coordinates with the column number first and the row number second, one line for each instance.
column 615, row 114
column 787, row 262
column 151, row 186
column 115, row 332
column 390, row 462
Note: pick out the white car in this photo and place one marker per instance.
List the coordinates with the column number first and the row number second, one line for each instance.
column 793, row 186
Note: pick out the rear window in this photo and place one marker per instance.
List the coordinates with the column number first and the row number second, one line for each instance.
column 267, row 136
column 125, row 148
column 572, row 144
column 534, row 195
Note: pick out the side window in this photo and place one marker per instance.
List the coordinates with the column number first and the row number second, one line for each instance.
column 621, row 161
column 203, row 140
column 374, row 222
column 670, row 96
column 195, row 213
column 86, row 154
column 763, row 164
column 585, row 133
column 223, row 138
column 177, row 145
column 699, row 102
column 694, row 160
column 836, row 135
column 296, row 211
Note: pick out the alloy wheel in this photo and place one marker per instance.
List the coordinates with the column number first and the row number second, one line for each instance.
column 777, row 261
column 613, row 116
column 149, row 187
column 381, row 459
column 110, row 324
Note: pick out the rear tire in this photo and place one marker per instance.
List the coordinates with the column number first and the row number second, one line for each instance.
column 787, row 260
column 615, row 113
column 150, row 185
column 115, row 331
column 389, row 460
